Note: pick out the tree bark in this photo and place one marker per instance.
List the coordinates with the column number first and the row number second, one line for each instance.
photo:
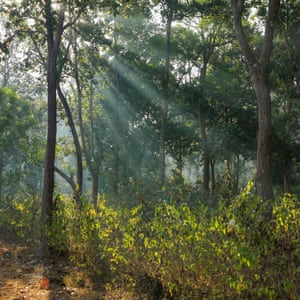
column 68, row 179
column 117, row 112
column 1, row 175
column 213, row 179
column 293, row 84
column 95, row 187
column 53, row 42
column 287, row 147
column 206, row 154
column 87, row 145
column 165, row 101
column 236, row 174
column 79, row 173
column 116, row 170
column 264, row 137
column 259, row 69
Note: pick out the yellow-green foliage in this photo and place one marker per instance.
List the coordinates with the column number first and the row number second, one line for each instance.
column 19, row 218
column 231, row 253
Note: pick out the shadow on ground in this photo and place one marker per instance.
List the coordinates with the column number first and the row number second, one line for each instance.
column 23, row 276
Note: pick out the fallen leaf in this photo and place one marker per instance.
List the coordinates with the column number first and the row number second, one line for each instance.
column 87, row 282
column 44, row 283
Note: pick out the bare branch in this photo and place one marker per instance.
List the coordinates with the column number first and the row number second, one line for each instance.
column 66, row 177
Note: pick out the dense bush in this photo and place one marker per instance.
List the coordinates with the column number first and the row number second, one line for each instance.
column 19, row 218
column 180, row 252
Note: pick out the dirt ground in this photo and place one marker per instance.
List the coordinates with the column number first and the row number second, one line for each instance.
column 23, row 276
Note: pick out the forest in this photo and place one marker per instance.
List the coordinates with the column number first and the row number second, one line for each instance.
column 150, row 149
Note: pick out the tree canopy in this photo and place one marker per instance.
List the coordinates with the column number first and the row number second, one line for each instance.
column 155, row 128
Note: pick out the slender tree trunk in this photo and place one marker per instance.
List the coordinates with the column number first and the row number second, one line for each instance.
column 236, row 173
column 165, row 102
column 115, row 171
column 117, row 112
column 287, row 148
column 1, row 175
column 90, row 161
column 162, row 141
column 95, row 187
column 180, row 156
column 286, row 176
column 288, row 114
column 206, row 155
column 213, row 178
column 53, row 43
column 79, row 173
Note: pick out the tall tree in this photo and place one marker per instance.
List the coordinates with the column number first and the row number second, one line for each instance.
column 286, row 83
column 258, row 65
column 49, row 29
column 16, row 122
column 168, row 12
column 54, row 30
column 77, row 187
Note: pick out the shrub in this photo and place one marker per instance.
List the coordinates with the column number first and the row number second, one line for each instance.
column 19, row 218
column 184, row 253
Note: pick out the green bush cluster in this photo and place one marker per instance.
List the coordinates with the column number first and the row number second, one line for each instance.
column 180, row 252
column 19, row 218
column 238, row 251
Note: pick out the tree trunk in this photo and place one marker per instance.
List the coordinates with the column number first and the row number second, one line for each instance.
column 213, row 179
column 287, row 148
column 236, row 178
column 165, row 102
column 286, row 176
column 1, row 175
column 206, row 155
column 79, row 175
column 264, row 137
column 95, row 187
column 53, row 46
column 85, row 149
column 179, row 159
column 116, row 147
column 47, row 204
column 259, row 69
column 293, row 86
column 115, row 171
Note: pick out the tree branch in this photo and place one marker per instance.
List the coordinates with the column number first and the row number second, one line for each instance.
column 66, row 178
column 237, row 10
column 269, row 31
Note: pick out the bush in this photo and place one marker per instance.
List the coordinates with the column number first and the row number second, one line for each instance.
column 233, row 254
column 19, row 218
column 184, row 253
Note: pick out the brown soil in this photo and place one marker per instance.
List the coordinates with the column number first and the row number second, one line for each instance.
column 23, row 276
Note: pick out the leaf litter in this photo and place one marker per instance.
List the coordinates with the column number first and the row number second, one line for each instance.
column 23, row 276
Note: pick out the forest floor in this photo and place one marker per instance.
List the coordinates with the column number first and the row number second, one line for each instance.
column 23, row 276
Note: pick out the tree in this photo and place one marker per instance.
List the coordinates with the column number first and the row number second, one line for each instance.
column 286, row 85
column 259, row 69
column 77, row 187
column 54, row 29
column 47, row 30
column 168, row 12
column 16, row 122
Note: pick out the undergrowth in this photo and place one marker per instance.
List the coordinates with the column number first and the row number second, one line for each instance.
column 232, row 252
